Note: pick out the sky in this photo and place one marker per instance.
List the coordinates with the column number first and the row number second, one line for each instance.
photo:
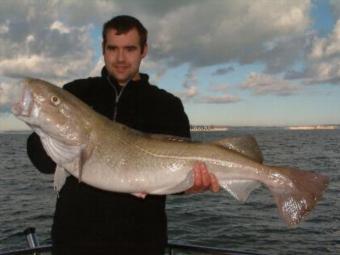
column 232, row 62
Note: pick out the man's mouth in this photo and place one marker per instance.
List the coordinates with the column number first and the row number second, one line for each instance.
column 121, row 68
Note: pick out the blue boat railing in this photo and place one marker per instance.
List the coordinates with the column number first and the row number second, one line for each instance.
column 172, row 248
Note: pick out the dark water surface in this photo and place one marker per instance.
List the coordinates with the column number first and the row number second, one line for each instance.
column 27, row 199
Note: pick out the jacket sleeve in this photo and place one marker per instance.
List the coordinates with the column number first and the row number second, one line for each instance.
column 178, row 122
column 38, row 155
column 169, row 117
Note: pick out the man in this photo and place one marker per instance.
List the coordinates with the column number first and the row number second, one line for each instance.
column 92, row 221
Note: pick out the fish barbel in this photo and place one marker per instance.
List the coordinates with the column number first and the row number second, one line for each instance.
column 113, row 157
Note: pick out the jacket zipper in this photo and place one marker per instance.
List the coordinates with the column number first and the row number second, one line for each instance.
column 117, row 97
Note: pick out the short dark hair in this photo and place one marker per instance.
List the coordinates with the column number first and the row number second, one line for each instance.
column 123, row 24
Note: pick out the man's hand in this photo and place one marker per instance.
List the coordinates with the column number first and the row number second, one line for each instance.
column 203, row 180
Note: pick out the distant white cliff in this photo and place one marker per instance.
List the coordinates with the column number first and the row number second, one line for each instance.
column 316, row 127
column 208, row 128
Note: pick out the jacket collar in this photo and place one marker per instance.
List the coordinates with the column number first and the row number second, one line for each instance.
column 144, row 78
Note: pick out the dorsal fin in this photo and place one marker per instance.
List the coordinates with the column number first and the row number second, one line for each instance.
column 245, row 145
column 157, row 136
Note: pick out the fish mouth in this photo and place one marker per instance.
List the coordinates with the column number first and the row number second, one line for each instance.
column 24, row 106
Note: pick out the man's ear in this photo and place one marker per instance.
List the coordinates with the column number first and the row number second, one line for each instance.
column 103, row 47
column 145, row 51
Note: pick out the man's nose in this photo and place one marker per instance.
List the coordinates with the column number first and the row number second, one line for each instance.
column 121, row 56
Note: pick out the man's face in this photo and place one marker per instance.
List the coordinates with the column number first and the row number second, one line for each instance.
column 123, row 55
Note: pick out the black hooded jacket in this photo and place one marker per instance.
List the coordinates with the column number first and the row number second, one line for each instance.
column 91, row 221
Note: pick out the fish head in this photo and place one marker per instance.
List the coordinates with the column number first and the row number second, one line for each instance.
column 52, row 112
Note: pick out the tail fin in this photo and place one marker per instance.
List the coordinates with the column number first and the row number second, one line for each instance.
column 296, row 199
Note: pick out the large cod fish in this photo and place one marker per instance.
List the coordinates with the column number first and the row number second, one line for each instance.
column 113, row 157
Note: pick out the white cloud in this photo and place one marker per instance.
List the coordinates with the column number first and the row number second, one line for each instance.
column 9, row 122
column 263, row 84
column 335, row 7
column 327, row 47
column 30, row 39
column 45, row 67
column 156, row 69
column 60, row 27
column 188, row 93
column 191, row 91
column 190, row 86
column 4, row 28
column 96, row 71
column 49, row 39
column 9, row 91
column 220, row 99
column 323, row 60
column 237, row 30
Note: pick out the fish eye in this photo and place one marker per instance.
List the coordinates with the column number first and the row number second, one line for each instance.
column 55, row 100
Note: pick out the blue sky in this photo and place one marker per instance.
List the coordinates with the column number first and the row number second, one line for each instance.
column 238, row 63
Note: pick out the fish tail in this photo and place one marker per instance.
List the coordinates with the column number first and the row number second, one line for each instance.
column 296, row 192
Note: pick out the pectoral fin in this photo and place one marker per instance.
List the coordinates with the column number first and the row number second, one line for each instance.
column 83, row 157
column 59, row 179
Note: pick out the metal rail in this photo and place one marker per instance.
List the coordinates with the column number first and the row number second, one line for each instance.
column 31, row 251
column 172, row 248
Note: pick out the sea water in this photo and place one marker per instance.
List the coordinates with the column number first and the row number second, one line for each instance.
column 27, row 199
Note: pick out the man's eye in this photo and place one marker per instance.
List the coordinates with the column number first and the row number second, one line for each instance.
column 130, row 49
column 111, row 48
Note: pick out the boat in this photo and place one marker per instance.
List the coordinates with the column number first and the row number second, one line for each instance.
column 172, row 248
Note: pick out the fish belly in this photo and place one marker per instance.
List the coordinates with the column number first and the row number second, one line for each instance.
column 147, row 174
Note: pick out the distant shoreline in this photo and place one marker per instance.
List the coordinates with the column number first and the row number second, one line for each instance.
column 316, row 127
column 220, row 128
column 208, row 128
column 215, row 128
